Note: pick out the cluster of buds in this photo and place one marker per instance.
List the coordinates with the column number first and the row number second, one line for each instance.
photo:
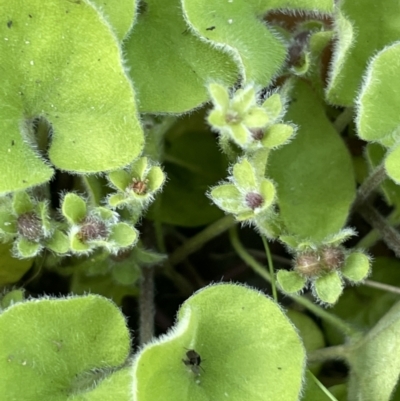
column 98, row 227
column 238, row 117
column 247, row 195
column 323, row 266
column 136, row 187
column 26, row 221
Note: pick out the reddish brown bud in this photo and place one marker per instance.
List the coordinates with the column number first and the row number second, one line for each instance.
column 254, row 200
column 257, row 134
column 297, row 49
column 92, row 229
column 29, row 226
column 139, row 186
column 232, row 118
column 308, row 263
column 332, row 258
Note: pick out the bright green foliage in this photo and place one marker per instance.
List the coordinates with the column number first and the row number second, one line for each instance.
column 80, row 341
column 96, row 227
column 375, row 360
column 237, row 27
column 314, row 175
column 240, row 119
column 10, row 298
column 137, row 186
column 377, row 119
column 193, row 163
column 169, row 65
column 74, row 208
column 356, row 267
column 249, row 350
column 112, row 388
column 277, row 135
column 248, row 196
column 318, row 42
column 392, row 164
column 299, row 244
column 328, row 287
column 92, row 114
column 290, row 281
column 310, row 333
column 358, row 41
column 11, row 268
column 119, row 13
column 375, row 154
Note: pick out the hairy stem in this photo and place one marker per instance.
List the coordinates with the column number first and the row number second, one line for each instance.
column 184, row 286
column 146, row 305
column 94, row 188
column 382, row 286
column 369, row 185
column 389, row 235
column 325, row 354
column 343, row 120
column 271, row 268
column 198, row 241
column 374, row 236
column 318, row 311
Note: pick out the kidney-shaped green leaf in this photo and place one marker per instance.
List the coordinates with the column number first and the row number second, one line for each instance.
column 244, row 348
column 61, row 62
column 169, row 65
column 120, row 14
column 375, row 360
column 363, row 28
column 56, row 349
column 237, row 27
column 378, row 103
column 314, row 173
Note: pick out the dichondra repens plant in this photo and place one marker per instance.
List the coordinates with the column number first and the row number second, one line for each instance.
column 136, row 132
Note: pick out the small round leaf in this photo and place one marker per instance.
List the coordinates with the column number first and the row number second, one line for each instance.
column 58, row 243
column 290, row 281
column 356, row 267
column 26, row 249
column 328, row 287
column 277, row 135
column 243, row 174
column 228, row 198
column 120, row 179
column 273, row 105
column 123, row 235
column 22, row 203
column 73, row 208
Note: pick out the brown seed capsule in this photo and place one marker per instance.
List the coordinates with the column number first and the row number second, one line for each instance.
column 29, row 226
column 257, row 134
column 193, row 360
column 308, row 263
column 254, row 200
column 332, row 258
column 92, row 229
column 138, row 186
